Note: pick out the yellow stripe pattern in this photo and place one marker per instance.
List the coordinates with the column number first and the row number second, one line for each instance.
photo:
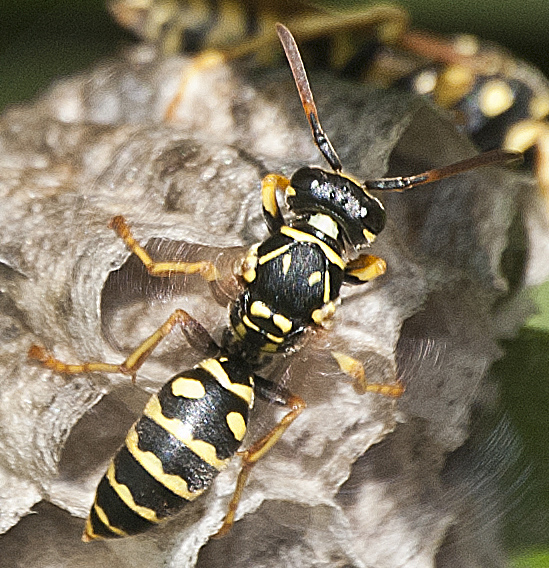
column 300, row 236
column 153, row 466
column 125, row 494
column 245, row 392
column 181, row 431
column 105, row 520
column 273, row 254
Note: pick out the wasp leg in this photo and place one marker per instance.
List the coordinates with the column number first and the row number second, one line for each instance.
column 196, row 335
column 355, row 369
column 202, row 62
column 204, row 267
column 268, row 390
column 364, row 268
column 269, row 184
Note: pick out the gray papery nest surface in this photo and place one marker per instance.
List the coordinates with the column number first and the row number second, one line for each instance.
column 356, row 481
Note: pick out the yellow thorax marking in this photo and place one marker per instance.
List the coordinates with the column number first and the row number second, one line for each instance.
column 315, row 277
column 282, row 322
column 260, row 310
column 300, row 236
column 273, row 254
column 326, row 297
column 249, row 323
column 286, row 262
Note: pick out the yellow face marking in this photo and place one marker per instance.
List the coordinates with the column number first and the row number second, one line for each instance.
column 245, row 392
column 181, row 431
column 188, row 388
column 282, row 322
column 260, row 310
column 273, row 254
column 301, row 237
column 326, row 312
column 290, row 191
column 370, row 237
column 249, row 264
column 315, row 277
column 125, row 494
column 326, row 297
column 105, row 520
column 237, row 425
column 325, row 224
column 153, row 466
column 286, row 262
column 495, row 98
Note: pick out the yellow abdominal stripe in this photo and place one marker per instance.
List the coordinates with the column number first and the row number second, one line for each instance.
column 180, row 431
column 105, row 520
column 125, row 494
column 213, row 366
column 153, row 466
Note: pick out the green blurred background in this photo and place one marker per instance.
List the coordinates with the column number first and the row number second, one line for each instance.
column 41, row 40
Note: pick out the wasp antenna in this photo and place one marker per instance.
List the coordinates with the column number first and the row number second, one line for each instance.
column 304, row 90
column 492, row 158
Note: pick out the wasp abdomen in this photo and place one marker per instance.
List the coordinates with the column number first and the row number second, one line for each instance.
column 186, row 436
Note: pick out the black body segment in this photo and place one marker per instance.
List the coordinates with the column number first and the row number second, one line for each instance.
column 298, row 273
column 187, row 434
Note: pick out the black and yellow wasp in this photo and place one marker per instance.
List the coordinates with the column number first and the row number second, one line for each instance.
column 498, row 100
column 291, row 282
column 241, row 27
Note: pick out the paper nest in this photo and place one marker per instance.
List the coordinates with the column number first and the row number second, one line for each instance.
column 96, row 146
